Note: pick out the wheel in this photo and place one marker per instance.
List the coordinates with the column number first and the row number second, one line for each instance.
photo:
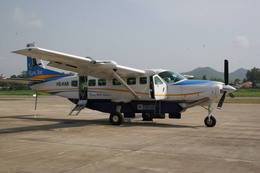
column 147, row 117
column 210, row 122
column 116, row 118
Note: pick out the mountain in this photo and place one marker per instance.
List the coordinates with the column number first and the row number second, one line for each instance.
column 213, row 74
column 238, row 74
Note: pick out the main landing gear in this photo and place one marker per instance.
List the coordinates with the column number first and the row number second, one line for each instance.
column 210, row 121
column 116, row 118
column 147, row 117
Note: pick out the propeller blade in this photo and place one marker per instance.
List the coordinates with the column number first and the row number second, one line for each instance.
column 231, row 95
column 221, row 101
column 226, row 72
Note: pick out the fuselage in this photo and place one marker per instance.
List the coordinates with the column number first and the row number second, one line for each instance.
column 154, row 85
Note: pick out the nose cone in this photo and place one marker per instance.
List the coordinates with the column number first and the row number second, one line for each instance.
column 228, row 89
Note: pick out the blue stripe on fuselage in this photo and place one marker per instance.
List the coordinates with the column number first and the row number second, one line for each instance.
column 192, row 82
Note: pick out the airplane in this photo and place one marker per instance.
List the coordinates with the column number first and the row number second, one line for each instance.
column 121, row 91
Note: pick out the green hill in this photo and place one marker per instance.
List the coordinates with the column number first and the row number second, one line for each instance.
column 213, row 74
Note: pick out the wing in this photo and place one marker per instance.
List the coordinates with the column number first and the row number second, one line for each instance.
column 81, row 65
column 20, row 80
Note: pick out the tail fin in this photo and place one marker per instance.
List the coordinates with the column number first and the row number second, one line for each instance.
column 36, row 70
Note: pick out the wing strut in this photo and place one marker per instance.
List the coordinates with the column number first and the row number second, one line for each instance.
column 125, row 84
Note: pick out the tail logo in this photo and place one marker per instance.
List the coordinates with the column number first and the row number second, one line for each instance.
column 35, row 73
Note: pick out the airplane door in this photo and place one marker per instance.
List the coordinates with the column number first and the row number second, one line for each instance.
column 83, row 90
column 159, row 88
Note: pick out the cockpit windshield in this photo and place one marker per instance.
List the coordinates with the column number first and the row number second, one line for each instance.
column 171, row 77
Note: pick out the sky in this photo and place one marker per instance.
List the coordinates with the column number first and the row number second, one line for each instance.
column 143, row 34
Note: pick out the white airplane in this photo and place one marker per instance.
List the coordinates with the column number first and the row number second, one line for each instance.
column 121, row 91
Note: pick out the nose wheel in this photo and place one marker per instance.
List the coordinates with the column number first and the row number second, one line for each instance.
column 210, row 121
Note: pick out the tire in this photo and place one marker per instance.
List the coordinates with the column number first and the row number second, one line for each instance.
column 147, row 117
column 116, row 118
column 210, row 123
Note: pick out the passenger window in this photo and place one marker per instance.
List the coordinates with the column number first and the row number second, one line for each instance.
column 158, row 81
column 143, row 80
column 131, row 81
column 116, row 82
column 92, row 82
column 74, row 83
column 102, row 82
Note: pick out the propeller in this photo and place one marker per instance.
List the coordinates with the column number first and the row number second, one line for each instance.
column 226, row 88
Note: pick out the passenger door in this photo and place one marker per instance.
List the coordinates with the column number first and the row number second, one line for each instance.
column 83, row 88
column 159, row 88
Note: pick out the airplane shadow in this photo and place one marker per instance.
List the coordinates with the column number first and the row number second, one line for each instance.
column 55, row 124
column 159, row 125
column 69, row 123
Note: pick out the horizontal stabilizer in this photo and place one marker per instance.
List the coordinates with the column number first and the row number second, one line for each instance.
column 20, row 80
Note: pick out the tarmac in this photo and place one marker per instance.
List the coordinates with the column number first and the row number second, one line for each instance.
column 54, row 142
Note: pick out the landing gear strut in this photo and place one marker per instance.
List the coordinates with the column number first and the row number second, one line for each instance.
column 210, row 121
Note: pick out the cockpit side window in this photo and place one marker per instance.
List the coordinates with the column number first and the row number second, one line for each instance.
column 170, row 77
column 157, row 81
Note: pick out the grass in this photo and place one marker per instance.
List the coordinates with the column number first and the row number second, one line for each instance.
column 248, row 96
column 22, row 92
column 247, row 100
column 247, row 93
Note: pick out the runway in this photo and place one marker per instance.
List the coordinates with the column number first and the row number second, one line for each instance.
column 57, row 143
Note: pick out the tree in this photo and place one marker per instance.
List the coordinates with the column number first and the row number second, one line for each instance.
column 16, row 86
column 204, row 77
column 253, row 76
column 237, row 81
column 3, row 84
column 23, row 74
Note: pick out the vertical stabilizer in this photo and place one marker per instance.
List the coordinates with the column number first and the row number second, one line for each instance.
column 36, row 69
